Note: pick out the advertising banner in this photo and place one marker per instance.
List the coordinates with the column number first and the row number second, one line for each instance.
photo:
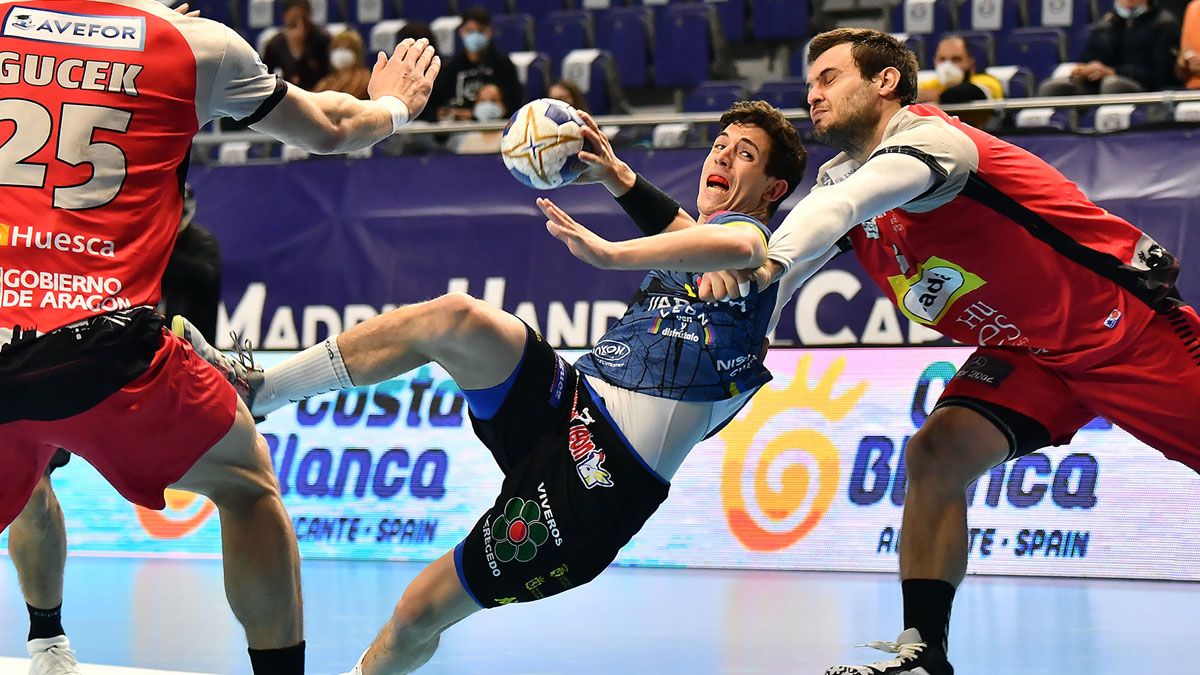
column 311, row 248
column 809, row 476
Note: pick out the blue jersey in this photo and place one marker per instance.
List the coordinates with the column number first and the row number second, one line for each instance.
column 671, row 344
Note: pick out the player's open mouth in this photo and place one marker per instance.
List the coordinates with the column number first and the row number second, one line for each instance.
column 718, row 184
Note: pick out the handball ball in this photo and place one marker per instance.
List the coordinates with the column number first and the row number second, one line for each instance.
column 541, row 143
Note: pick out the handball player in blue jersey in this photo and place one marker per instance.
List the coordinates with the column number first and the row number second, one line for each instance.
column 587, row 451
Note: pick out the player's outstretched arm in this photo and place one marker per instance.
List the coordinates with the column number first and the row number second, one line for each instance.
column 695, row 249
column 650, row 208
column 333, row 122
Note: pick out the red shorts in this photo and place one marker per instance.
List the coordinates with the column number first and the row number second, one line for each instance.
column 141, row 439
column 1148, row 385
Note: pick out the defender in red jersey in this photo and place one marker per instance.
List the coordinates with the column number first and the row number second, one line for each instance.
column 1074, row 310
column 99, row 101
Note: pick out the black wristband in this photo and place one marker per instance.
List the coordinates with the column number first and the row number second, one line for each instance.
column 651, row 209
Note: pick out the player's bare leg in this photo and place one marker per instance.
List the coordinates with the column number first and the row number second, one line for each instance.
column 433, row 602
column 955, row 446
column 262, row 562
column 37, row 543
column 478, row 344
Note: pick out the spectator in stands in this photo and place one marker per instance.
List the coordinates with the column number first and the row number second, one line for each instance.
column 300, row 52
column 1130, row 49
column 1187, row 67
column 957, row 81
column 569, row 92
column 347, row 63
column 480, row 62
column 489, row 107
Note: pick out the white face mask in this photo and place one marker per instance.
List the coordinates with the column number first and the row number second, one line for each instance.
column 949, row 74
column 1127, row 13
column 341, row 58
column 488, row 111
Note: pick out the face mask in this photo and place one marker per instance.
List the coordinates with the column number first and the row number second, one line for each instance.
column 1127, row 13
column 475, row 41
column 488, row 111
column 341, row 58
column 949, row 74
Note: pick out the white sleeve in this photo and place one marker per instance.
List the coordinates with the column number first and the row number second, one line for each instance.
column 242, row 88
column 815, row 224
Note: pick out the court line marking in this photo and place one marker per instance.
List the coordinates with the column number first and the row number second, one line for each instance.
column 9, row 665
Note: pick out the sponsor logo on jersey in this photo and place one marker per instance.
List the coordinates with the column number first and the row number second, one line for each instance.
column 925, row 296
column 27, row 237
column 81, row 30
column 1114, row 318
column 611, row 352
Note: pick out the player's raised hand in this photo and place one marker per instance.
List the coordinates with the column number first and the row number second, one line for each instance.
column 603, row 166
column 584, row 244
column 183, row 9
column 408, row 74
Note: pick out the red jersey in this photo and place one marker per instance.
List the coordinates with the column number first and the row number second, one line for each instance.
column 99, row 102
column 1003, row 250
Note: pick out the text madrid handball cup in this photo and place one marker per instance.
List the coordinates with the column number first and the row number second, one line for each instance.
column 541, row 144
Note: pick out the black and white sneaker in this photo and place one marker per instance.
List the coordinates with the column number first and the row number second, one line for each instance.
column 913, row 657
column 241, row 372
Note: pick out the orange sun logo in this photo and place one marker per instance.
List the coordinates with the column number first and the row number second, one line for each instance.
column 763, row 495
column 185, row 513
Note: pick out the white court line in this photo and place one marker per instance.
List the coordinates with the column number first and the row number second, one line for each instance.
column 11, row 666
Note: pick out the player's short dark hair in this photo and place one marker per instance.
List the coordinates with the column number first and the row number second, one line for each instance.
column 873, row 51
column 787, row 158
column 479, row 14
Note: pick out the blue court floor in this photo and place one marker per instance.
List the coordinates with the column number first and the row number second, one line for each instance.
column 171, row 615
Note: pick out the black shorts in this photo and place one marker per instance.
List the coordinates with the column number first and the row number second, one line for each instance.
column 574, row 492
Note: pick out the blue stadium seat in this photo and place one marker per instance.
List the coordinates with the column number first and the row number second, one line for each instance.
column 997, row 16
column 561, row 32
column 780, row 19
column 533, row 69
column 425, row 10
column 923, row 17
column 714, row 96
column 1062, row 13
column 1038, row 49
column 494, row 6
column 229, row 12
column 596, row 74
column 625, row 32
column 512, row 32
column 784, row 94
column 982, row 46
column 915, row 43
column 683, row 45
column 1017, row 81
column 367, row 13
column 538, row 7
column 732, row 15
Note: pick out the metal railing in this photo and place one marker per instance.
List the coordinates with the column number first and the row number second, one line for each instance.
column 1166, row 98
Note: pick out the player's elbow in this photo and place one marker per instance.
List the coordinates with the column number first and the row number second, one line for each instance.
column 326, row 141
column 749, row 250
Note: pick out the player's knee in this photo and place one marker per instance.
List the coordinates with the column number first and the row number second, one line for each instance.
column 414, row 623
column 461, row 318
column 944, row 451
column 42, row 508
column 241, row 484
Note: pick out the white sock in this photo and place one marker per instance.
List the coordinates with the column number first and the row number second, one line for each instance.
column 313, row 371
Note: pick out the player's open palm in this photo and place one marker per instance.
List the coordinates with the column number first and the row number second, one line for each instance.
column 582, row 242
column 602, row 162
column 408, row 74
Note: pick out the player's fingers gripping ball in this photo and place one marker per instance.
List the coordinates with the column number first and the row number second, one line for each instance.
column 542, row 142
